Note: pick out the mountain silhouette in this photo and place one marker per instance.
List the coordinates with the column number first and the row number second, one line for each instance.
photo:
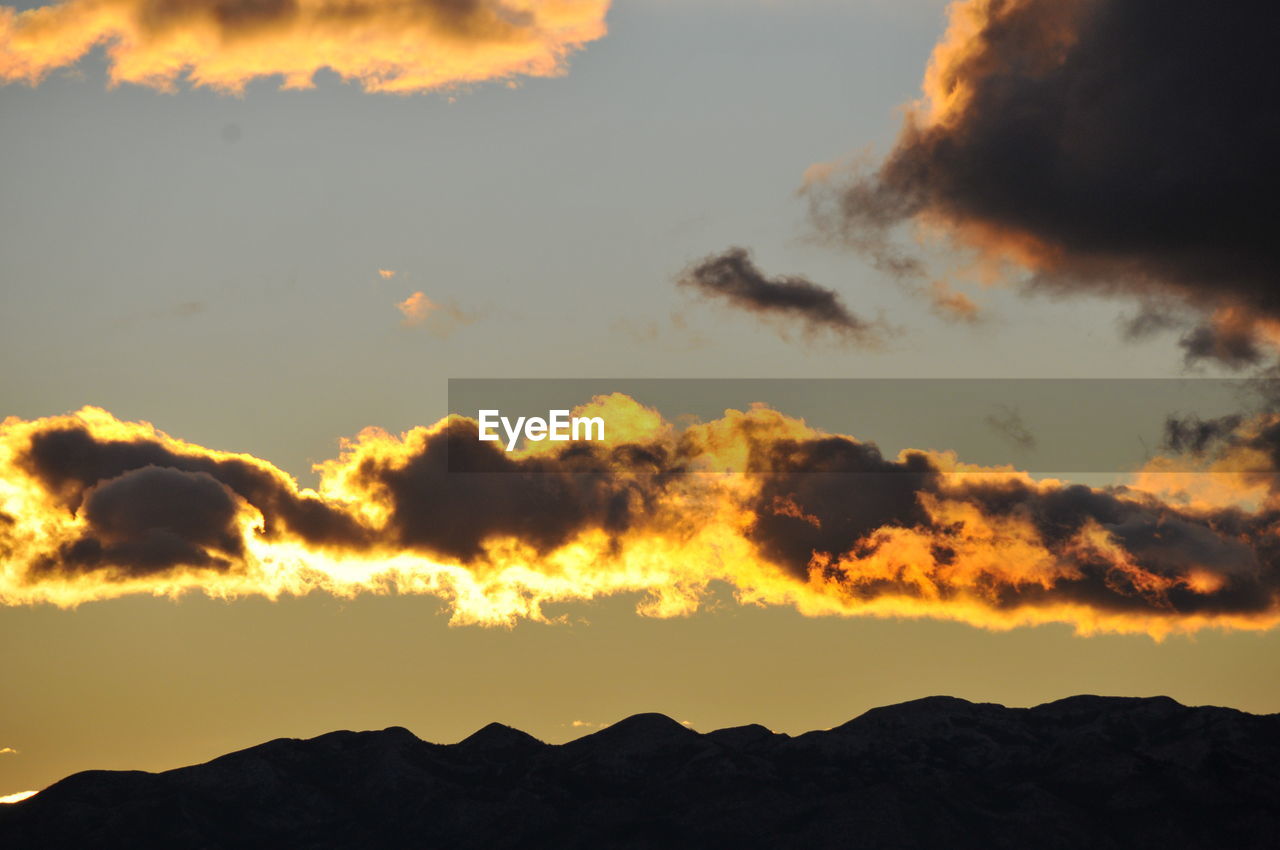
column 1084, row 772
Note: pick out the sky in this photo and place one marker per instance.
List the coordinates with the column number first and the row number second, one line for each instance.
column 559, row 191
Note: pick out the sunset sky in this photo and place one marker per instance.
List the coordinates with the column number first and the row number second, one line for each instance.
column 244, row 247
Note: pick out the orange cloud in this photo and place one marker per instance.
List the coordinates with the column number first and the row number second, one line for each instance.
column 399, row 46
column 439, row 318
column 416, row 308
column 952, row 304
column 92, row 508
column 386, row 274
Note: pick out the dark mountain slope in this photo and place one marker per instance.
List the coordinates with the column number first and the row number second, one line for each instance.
column 1089, row 772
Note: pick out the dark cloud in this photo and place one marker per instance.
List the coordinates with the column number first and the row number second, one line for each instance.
column 1249, row 447
column 1235, row 346
column 151, row 520
column 1152, row 317
column 70, row 461
column 733, row 278
column 455, row 493
column 833, row 497
column 1163, row 545
column 1112, row 147
column 1007, row 422
column 827, row 495
column 1194, row 436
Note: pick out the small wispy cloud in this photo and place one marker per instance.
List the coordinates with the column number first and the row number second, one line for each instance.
column 8, row 751
column 438, row 317
column 733, row 278
column 1007, row 422
column 952, row 304
column 416, row 308
column 387, row 274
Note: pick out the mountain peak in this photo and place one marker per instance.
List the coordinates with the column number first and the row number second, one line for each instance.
column 498, row 736
column 646, row 726
column 751, row 733
column 923, row 710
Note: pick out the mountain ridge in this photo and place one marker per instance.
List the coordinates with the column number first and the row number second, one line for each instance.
column 937, row 771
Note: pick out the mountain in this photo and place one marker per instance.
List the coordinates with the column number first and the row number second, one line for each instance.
column 1084, row 772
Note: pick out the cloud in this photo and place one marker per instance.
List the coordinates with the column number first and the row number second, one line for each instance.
column 1195, row 436
column 1007, row 422
column 952, row 305
column 151, row 520
column 386, row 274
column 732, row 277
column 116, row 480
column 543, row 502
column 416, row 308
column 8, row 751
column 96, row 508
column 441, row 318
column 1105, row 147
column 397, row 46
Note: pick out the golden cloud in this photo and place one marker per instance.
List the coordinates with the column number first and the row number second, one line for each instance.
column 400, row 46
column 93, row 508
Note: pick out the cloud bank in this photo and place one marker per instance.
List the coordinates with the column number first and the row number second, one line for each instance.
column 399, row 46
column 781, row 514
